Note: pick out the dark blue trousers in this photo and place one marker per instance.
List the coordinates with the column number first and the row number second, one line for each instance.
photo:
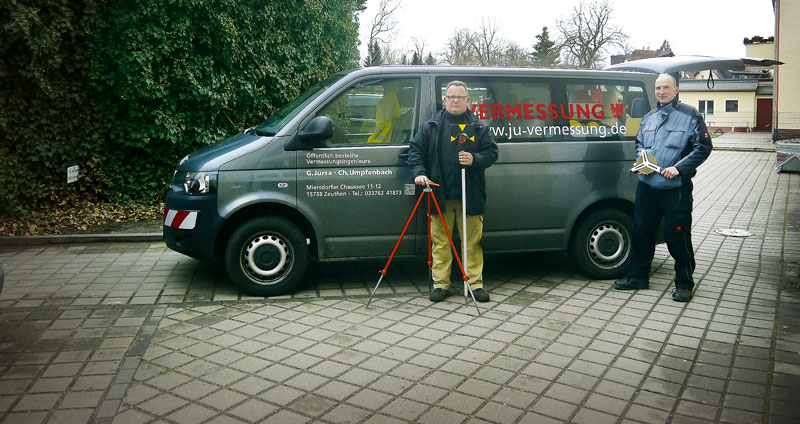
column 675, row 206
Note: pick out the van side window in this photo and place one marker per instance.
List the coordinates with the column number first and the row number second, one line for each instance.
column 515, row 109
column 596, row 111
column 376, row 111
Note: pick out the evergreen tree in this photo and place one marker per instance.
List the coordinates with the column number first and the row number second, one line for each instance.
column 415, row 60
column 374, row 55
column 545, row 51
column 429, row 60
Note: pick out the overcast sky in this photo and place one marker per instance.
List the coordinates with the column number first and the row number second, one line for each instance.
column 704, row 27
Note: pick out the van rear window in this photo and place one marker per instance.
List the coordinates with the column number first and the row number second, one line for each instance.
column 601, row 110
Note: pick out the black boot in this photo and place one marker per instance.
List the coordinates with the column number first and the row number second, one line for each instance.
column 682, row 295
column 438, row 295
column 631, row 283
column 480, row 295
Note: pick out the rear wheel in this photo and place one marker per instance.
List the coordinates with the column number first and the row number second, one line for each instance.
column 601, row 243
column 266, row 256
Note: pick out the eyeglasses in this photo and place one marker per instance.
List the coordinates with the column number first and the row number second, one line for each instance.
column 454, row 98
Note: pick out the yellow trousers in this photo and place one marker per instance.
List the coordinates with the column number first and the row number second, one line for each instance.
column 442, row 253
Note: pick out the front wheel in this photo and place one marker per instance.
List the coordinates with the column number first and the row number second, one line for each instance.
column 266, row 256
column 601, row 243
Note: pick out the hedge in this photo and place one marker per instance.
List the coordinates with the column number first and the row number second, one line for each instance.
column 124, row 89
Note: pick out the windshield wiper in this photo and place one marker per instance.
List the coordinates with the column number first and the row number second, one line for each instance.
column 256, row 131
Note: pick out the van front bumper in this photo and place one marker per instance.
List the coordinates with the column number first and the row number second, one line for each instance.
column 191, row 224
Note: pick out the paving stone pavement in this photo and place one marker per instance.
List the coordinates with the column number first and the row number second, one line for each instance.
column 134, row 333
column 744, row 141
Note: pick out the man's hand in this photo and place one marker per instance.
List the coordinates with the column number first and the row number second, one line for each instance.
column 465, row 158
column 422, row 180
column 670, row 172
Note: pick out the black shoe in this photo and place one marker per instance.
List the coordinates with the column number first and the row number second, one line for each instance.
column 481, row 295
column 631, row 283
column 438, row 295
column 682, row 295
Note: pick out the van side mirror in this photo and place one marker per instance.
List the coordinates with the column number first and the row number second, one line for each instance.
column 320, row 128
column 312, row 135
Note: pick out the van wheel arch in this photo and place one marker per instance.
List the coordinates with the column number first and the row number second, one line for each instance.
column 265, row 209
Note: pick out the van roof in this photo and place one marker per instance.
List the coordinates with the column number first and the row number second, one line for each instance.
column 492, row 70
column 660, row 65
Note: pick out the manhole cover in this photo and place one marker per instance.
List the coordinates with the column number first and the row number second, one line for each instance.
column 733, row 232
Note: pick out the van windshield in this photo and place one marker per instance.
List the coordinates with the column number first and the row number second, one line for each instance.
column 285, row 114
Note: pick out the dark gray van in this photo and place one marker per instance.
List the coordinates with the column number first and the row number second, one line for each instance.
column 326, row 176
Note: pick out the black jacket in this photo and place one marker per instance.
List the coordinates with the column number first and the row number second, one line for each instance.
column 423, row 158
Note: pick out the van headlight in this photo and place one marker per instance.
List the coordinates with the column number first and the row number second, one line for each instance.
column 200, row 182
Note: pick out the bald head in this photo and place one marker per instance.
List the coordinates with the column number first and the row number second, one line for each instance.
column 666, row 88
column 665, row 77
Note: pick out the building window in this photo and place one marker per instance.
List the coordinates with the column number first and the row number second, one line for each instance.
column 731, row 105
column 706, row 107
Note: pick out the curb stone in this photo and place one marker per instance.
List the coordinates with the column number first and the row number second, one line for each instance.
column 79, row 238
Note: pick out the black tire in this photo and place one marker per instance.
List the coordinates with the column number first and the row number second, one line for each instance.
column 601, row 244
column 266, row 256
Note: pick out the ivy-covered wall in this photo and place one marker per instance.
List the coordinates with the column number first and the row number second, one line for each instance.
column 124, row 89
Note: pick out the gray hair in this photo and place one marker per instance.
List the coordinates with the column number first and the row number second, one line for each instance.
column 455, row 83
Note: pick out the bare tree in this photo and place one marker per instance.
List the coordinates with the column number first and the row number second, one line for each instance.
column 391, row 56
column 483, row 46
column 459, row 48
column 514, row 55
column 419, row 47
column 588, row 34
column 383, row 24
column 487, row 44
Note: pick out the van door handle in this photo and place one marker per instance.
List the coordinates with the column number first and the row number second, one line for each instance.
column 404, row 156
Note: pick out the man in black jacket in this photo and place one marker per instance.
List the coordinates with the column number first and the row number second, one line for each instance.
column 452, row 139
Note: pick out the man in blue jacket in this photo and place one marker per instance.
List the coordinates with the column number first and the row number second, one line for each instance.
column 678, row 138
column 452, row 139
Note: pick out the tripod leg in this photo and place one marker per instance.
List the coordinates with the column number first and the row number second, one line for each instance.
column 375, row 289
column 383, row 271
column 474, row 302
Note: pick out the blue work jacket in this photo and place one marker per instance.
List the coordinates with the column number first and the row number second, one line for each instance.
column 677, row 136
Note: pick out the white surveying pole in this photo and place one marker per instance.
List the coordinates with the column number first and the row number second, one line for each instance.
column 464, row 228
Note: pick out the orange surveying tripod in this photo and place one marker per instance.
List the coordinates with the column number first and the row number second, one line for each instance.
column 427, row 190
